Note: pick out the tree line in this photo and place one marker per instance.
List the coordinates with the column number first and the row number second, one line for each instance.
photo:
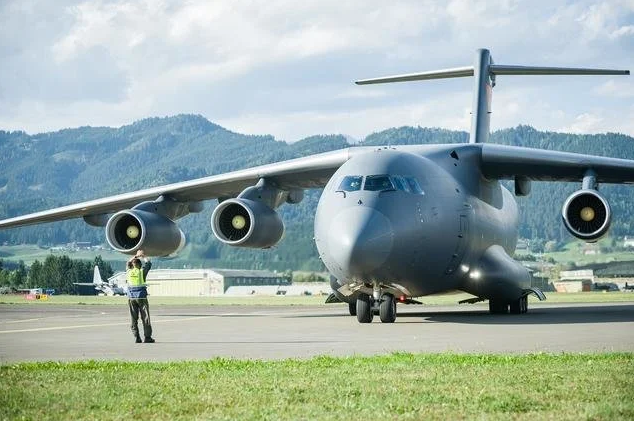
column 56, row 272
column 47, row 170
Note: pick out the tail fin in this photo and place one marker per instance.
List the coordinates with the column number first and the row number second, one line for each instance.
column 96, row 277
column 485, row 72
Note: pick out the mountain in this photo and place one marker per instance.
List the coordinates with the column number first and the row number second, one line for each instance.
column 53, row 169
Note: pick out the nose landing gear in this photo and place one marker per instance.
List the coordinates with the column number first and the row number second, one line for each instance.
column 366, row 307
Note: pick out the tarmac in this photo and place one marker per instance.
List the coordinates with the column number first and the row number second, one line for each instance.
column 31, row 332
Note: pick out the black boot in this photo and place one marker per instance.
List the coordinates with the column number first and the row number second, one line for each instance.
column 148, row 340
column 138, row 339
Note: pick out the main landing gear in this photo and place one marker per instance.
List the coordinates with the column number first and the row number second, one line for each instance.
column 367, row 305
column 519, row 306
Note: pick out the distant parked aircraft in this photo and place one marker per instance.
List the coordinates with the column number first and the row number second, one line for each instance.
column 102, row 287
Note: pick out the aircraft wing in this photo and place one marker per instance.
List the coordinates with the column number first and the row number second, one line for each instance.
column 312, row 171
column 506, row 162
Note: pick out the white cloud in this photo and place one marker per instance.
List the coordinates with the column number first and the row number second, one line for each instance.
column 623, row 31
column 446, row 112
column 584, row 123
column 287, row 67
column 616, row 89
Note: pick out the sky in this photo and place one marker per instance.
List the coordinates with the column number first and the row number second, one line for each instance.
column 287, row 68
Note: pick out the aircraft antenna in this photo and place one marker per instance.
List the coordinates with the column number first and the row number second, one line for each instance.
column 485, row 72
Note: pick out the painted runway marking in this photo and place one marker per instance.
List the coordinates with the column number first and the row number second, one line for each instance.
column 43, row 329
column 25, row 320
column 55, row 317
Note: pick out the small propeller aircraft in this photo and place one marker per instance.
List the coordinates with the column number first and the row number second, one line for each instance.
column 102, row 287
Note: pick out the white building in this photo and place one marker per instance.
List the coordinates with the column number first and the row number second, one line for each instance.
column 207, row 282
column 577, row 275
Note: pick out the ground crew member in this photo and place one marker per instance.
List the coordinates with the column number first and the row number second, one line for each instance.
column 136, row 274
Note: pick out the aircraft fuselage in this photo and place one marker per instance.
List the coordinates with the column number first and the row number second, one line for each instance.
column 417, row 221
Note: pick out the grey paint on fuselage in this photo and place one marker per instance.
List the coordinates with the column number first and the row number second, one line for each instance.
column 419, row 244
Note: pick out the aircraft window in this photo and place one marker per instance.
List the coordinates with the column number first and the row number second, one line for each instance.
column 414, row 186
column 378, row 183
column 350, row 183
column 400, row 183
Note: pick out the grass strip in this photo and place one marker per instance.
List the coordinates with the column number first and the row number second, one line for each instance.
column 435, row 300
column 396, row 386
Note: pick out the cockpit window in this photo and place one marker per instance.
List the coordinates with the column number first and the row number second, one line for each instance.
column 378, row 183
column 414, row 186
column 400, row 183
column 350, row 183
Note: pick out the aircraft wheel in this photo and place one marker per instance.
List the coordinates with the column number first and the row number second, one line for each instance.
column 364, row 309
column 520, row 306
column 352, row 308
column 387, row 309
column 496, row 307
column 516, row 307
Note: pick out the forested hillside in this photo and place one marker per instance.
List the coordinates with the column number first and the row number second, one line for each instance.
column 53, row 169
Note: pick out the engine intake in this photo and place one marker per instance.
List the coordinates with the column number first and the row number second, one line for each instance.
column 130, row 230
column 587, row 215
column 246, row 223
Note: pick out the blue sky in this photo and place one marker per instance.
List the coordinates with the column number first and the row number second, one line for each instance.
column 287, row 68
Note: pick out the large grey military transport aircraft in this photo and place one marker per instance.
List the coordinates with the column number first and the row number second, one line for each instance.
column 393, row 223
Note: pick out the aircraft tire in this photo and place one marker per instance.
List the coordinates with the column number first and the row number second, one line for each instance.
column 387, row 309
column 520, row 306
column 364, row 309
column 352, row 308
column 496, row 307
column 515, row 307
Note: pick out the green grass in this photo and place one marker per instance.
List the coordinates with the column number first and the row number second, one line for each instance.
column 29, row 253
column 95, row 300
column 436, row 300
column 573, row 252
column 397, row 386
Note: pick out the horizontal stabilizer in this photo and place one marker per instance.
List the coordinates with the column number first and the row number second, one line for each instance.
column 503, row 69
column 485, row 72
column 494, row 69
column 434, row 74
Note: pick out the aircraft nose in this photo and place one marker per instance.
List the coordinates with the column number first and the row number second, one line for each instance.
column 360, row 239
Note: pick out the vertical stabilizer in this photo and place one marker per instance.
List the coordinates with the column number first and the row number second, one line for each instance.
column 96, row 277
column 482, row 93
column 485, row 72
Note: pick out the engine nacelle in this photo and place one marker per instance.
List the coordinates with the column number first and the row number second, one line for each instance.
column 587, row 215
column 246, row 223
column 130, row 230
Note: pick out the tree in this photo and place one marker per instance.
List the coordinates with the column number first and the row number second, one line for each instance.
column 56, row 270
column 36, row 276
column 18, row 277
column 4, row 276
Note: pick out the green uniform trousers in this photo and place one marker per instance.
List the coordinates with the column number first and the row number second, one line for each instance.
column 140, row 306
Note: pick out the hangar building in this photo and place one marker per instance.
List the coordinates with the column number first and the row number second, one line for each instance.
column 208, row 282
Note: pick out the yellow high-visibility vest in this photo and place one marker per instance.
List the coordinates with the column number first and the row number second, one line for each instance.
column 135, row 277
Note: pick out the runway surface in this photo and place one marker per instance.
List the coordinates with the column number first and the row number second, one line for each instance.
column 78, row 332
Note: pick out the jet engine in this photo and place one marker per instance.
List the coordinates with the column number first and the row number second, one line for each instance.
column 586, row 215
column 246, row 223
column 130, row 230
